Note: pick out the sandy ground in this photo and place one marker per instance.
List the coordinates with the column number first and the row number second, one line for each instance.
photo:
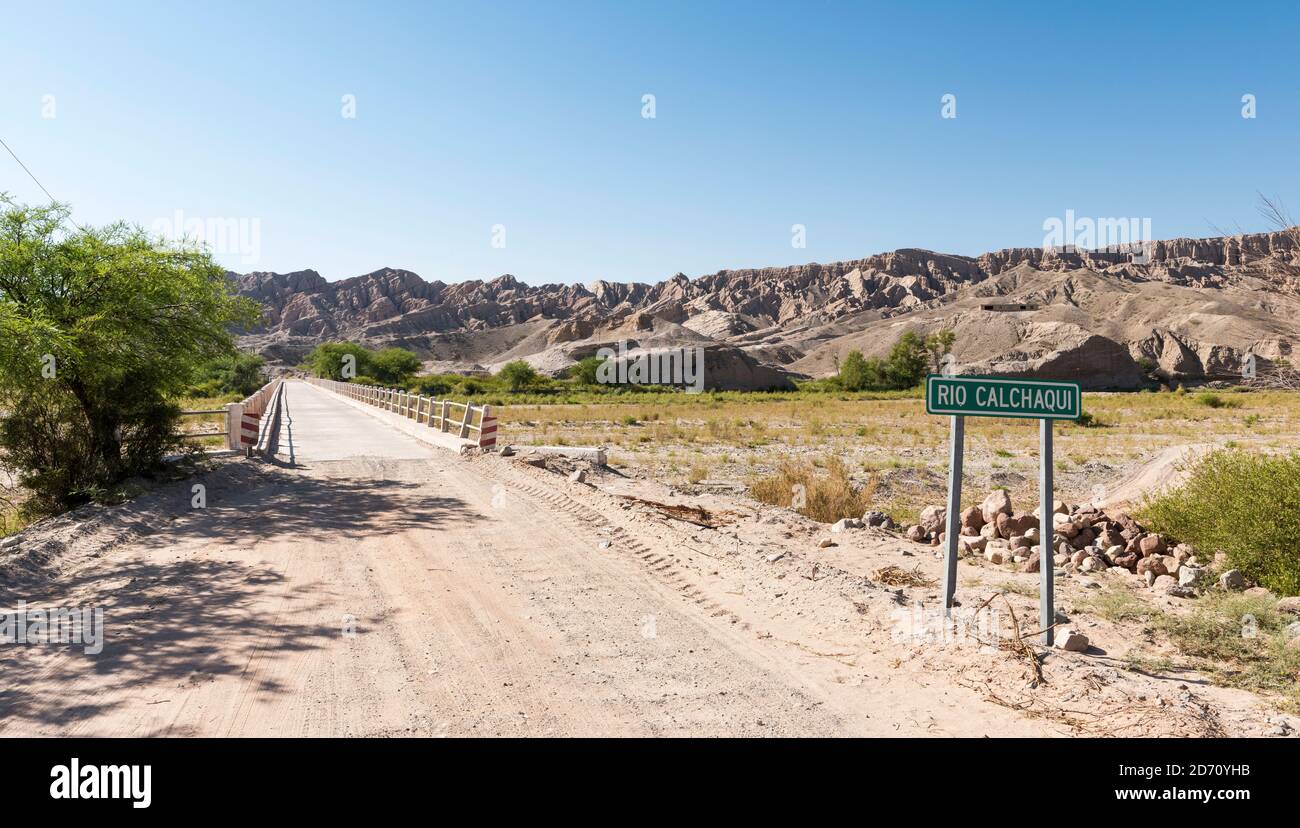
column 367, row 584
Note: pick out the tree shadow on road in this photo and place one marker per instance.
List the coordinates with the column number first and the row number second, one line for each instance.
column 179, row 623
column 166, row 627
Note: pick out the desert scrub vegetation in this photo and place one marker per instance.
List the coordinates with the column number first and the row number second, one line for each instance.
column 1246, row 504
column 1240, row 640
column 822, row 491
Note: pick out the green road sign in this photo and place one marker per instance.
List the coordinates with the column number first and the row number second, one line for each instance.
column 984, row 397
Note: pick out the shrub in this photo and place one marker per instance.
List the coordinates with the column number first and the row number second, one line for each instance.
column 1211, row 400
column 517, row 375
column 824, row 495
column 1247, row 505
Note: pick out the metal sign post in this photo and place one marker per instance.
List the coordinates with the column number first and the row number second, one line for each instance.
column 955, row 452
column 1046, row 533
column 1042, row 400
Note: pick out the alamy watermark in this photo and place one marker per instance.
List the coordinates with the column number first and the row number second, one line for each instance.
column 920, row 624
column 224, row 236
column 57, row 625
column 1114, row 235
column 657, row 366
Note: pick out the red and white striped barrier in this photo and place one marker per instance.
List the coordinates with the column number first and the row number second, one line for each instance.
column 244, row 419
column 487, row 430
column 250, row 426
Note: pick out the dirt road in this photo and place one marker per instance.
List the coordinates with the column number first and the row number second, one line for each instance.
column 374, row 586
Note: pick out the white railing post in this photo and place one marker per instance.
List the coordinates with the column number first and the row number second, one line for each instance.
column 234, row 420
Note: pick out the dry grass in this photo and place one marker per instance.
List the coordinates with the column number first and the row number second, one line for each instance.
column 740, row 437
column 826, row 494
column 897, row 576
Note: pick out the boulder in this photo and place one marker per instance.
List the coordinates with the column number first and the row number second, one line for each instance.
column 1110, row 537
column 1016, row 524
column 1092, row 564
column 1191, row 576
column 1152, row 545
column 971, row 544
column 845, row 524
column 996, row 555
column 1032, row 562
column 997, row 503
column 1126, row 561
column 878, row 520
column 1071, row 641
column 916, row 533
column 933, row 518
column 1152, row 564
column 1233, row 580
column 1163, row 583
column 972, row 520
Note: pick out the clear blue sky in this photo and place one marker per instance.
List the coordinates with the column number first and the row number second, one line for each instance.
column 529, row 116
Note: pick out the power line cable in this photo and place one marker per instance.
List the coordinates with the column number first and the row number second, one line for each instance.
column 38, row 182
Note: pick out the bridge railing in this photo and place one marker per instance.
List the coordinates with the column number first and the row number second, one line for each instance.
column 477, row 423
column 244, row 419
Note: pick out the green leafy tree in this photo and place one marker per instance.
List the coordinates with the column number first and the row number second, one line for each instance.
column 938, row 345
column 905, row 366
column 394, row 366
column 336, row 360
column 853, row 372
column 238, row 374
column 584, row 371
column 100, row 330
column 517, row 375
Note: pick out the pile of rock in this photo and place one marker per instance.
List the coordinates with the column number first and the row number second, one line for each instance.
column 1084, row 539
column 873, row 519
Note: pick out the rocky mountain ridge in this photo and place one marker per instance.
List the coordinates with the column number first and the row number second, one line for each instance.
column 786, row 316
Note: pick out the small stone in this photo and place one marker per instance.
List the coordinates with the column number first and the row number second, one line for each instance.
column 972, row 520
column 775, row 556
column 1233, row 580
column 995, row 556
column 1072, row 641
column 1190, row 576
column 1060, row 560
column 844, row 524
column 1031, row 563
column 971, row 544
column 916, row 532
column 578, row 476
column 1149, row 577
column 507, row 451
column 825, row 543
column 1293, row 629
column 603, row 544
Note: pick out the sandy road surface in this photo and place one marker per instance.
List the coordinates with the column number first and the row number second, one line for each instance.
column 475, row 610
